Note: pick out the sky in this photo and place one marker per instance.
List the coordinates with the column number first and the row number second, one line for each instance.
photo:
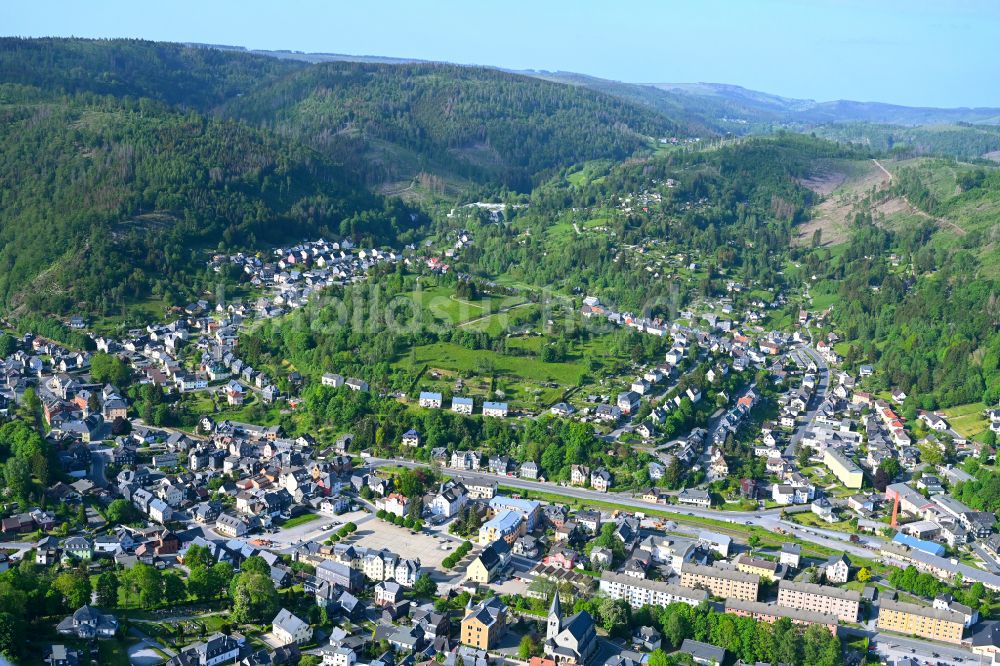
column 942, row 53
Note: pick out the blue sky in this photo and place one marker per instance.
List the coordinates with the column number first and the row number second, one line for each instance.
column 915, row 52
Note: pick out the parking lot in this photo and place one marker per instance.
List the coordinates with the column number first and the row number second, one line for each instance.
column 315, row 530
column 380, row 534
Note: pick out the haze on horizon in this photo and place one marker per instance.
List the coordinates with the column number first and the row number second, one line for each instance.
column 915, row 52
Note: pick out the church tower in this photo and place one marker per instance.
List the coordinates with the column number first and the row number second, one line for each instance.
column 555, row 619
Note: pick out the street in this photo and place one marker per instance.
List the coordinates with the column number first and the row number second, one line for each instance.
column 822, row 385
column 768, row 519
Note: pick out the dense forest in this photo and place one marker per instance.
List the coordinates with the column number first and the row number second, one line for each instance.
column 107, row 200
column 476, row 123
column 480, row 123
column 191, row 78
column 932, row 332
column 962, row 140
column 123, row 162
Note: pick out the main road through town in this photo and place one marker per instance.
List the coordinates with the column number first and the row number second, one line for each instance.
column 769, row 519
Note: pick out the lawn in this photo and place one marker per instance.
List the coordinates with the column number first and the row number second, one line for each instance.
column 823, row 301
column 523, row 381
column 968, row 420
column 137, row 312
column 300, row 520
column 498, row 323
column 596, row 222
column 110, row 652
column 449, row 356
column 810, row 519
column 561, row 231
column 442, row 303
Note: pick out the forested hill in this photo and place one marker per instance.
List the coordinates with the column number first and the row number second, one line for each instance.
column 107, row 200
column 122, row 162
column 196, row 78
column 481, row 124
column 386, row 122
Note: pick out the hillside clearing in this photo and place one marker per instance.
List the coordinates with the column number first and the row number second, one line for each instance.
column 842, row 188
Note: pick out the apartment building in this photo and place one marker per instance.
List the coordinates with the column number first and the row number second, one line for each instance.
column 508, row 526
column 758, row 566
column 484, row 623
column 723, row 583
column 639, row 592
column 772, row 612
column 845, row 604
column 931, row 623
column 845, row 469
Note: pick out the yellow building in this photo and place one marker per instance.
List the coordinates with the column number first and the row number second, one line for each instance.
column 845, row 469
column 932, row 623
column 757, row 566
column 484, row 623
column 488, row 563
column 722, row 583
column 508, row 525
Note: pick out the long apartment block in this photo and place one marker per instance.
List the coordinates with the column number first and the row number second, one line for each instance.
column 845, row 604
column 720, row 582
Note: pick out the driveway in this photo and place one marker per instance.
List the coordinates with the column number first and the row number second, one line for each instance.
column 143, row 654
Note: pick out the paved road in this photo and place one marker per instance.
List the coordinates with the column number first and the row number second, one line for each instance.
column 149, row 640
column 768, row 519
column 313, row 530
column 822, row 386
column 21, row 547
column 99, row 459
column 892, row 646
column 988, row 560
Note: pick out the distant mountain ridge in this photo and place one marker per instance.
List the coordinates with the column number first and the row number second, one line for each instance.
column 841, row 110
column 716, row 106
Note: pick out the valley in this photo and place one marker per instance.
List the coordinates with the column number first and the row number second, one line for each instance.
column 328, row 360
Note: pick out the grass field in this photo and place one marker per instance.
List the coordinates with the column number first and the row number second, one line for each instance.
column 596, row 222
column 823, row 301
column 810, row 519
column 109, row 652
column 136, row 312
column 301, row 520
column 520, row 376
column 968, row 420
column 443, row 305
column 253, row 410
column 450, row 356
column 500, row 322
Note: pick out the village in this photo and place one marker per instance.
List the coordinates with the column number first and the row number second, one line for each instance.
column 458, row 556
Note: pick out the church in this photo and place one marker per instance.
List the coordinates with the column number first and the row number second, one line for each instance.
column 573, row 641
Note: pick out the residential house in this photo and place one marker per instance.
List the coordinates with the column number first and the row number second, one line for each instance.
column 287, row 629
column 484, row 623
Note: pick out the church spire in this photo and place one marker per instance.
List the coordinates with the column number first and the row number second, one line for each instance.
column 554, row 625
